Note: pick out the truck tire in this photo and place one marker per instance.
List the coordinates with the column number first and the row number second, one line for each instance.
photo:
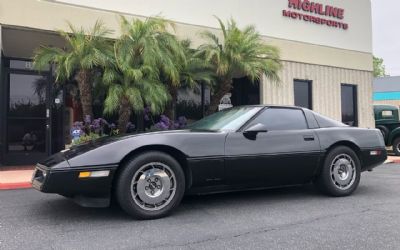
column 396, row 146
column 384, row 130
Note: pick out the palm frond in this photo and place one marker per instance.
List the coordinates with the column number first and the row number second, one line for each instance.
column 242, row 51
column 112, row 101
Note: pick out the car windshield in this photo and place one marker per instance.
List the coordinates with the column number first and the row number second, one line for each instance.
column 226, row 120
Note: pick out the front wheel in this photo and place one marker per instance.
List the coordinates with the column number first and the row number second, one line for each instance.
column 340, row 173
column 150, row 185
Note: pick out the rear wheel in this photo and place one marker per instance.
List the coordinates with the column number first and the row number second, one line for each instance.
column 150, row 185
column 396, row 146
column 341, row 172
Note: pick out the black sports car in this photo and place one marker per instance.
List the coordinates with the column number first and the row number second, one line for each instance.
column 240, row 148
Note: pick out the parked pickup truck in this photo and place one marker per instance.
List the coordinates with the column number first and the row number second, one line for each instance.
column 387, row 121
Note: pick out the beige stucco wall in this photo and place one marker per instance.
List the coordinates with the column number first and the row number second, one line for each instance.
column 266, row 15
column 326, row 66
column 53, row 16
column 326, row 89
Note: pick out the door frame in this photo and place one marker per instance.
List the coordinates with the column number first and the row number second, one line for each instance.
column 7, row 160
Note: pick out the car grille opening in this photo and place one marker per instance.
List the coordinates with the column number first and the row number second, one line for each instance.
column 39, row 175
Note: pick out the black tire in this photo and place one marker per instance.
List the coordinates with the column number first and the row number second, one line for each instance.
column 326, row 180
column 384, row 130
column 396, row 146
column 125, row 195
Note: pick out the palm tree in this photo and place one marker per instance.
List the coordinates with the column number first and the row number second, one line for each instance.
column 193, row 70
column 85, row 50
column 142, row 53
column 242, row 52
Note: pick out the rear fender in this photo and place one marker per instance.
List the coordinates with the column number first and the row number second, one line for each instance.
column 393, row 135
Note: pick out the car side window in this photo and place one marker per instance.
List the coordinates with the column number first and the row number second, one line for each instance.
column 282, row 119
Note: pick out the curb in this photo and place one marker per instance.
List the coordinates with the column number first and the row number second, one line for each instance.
column 392, row 159
column 18, row 185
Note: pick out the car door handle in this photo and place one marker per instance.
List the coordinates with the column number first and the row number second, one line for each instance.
column 308, row 137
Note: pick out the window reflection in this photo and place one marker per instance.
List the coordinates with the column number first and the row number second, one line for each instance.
column 27, row 95
column 26, row 135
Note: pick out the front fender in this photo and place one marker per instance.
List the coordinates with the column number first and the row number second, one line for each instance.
column 191, row 144
column 395, row 133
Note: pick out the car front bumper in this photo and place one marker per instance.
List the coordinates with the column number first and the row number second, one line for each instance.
column 67, row 181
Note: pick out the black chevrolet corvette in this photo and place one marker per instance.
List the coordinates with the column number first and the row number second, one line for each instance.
column 239, row 148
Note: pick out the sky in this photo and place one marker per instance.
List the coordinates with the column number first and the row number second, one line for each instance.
column 386, row 33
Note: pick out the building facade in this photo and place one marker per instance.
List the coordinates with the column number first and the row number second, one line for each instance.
column 387, row 90
column 326, row 52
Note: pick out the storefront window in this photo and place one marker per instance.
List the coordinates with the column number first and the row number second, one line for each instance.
column 303, row 94
column 27, row 95
column 192, row 103
column 245, row 92
column 349, row 105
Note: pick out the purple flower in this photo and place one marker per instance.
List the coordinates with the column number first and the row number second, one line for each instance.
column 130, row 125
column 112, row 126
column 104, row 121
column 182, row 121
column 87, row 119
column 146, row 117
column 147, row 110
column 165, row 119
column 96, row 124
column 162, row 125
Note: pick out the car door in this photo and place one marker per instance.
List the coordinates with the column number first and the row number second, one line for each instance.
column 288, row 153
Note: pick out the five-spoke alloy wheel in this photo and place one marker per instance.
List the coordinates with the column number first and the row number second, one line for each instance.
column 150, row 185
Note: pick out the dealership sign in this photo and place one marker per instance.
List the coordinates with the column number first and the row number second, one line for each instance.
column 316, row 13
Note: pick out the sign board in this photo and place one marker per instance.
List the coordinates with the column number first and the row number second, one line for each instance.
column 316, row 13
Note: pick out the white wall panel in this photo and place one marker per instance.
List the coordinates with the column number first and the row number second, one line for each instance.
column 265, row 14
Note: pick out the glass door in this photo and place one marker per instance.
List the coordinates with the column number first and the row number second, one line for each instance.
column 27, row 126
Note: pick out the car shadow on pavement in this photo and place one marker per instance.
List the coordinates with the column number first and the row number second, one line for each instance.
column 63, row 209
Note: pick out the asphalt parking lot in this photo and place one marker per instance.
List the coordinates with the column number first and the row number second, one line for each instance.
column 290, row 218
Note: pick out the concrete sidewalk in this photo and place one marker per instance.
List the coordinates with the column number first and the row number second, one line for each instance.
column 393, row 159
column 16, row 177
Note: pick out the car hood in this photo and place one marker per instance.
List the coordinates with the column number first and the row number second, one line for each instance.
column 85, row 147
column 110, row 150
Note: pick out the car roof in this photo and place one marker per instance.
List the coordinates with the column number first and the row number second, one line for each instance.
column 385, row 106
column 274, row 106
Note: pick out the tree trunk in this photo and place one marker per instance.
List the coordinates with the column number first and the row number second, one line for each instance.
column 125, row 112
column 225, row 88
column 170, row 109
column 84, row 80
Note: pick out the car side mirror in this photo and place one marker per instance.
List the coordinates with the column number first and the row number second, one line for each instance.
column 256, row 128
